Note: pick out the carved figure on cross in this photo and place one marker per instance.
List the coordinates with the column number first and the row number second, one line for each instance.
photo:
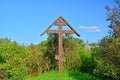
column 60, row 22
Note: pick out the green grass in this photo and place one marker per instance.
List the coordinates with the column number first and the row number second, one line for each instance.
column 54, row 75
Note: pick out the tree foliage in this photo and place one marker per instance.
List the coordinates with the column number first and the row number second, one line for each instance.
column 108, row 54
column 11, row 60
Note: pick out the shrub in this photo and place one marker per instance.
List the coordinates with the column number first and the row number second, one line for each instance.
column 88, row 63
column 11, row 60
column 104, row 71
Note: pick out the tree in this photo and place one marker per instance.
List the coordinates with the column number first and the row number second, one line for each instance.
column 72, row 51
column 110, row 45
column 52, row 50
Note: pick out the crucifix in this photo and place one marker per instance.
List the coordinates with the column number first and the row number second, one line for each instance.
column 60, row 22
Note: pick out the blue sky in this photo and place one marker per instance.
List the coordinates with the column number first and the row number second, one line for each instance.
column 24, row 20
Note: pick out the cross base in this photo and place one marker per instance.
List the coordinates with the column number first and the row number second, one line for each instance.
column 61, row 60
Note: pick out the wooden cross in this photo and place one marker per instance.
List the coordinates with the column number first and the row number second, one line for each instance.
column 60, row 21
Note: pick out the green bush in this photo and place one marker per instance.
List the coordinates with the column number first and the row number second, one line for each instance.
column 35, row 62
column 2, row 58
column 11, row 60
column 104, row 71
column 88, row 63
column 17, row 72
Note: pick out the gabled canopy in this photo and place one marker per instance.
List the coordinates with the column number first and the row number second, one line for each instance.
column 64, row 22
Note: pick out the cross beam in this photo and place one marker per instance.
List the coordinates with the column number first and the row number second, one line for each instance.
column 63, row 31
column 60, row 22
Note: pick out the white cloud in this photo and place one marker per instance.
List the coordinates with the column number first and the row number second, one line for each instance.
column 90, row 28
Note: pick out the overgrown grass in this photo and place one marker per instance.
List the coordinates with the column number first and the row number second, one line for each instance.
column 55, row 75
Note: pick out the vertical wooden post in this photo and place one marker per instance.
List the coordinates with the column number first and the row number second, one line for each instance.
column 60, row 47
